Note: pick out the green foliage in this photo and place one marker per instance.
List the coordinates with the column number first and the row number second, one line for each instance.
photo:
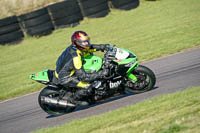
column 172, row 113
column 152, row 30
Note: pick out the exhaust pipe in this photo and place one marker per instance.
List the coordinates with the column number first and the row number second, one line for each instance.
column 61, row 103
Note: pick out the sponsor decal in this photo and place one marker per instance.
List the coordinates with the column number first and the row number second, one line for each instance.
column 114, row 84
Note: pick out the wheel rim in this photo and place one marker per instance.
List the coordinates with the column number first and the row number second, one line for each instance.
column 143, row 82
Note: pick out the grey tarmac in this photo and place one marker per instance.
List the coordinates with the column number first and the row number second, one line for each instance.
column 174, row 73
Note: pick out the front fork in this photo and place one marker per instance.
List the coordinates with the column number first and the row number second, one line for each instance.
column 129, row 73
column 132, row 77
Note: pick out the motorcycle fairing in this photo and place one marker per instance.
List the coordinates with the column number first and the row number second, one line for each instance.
column 41, row 76
column 126, row 66
column 92, row 63
column 121, row 54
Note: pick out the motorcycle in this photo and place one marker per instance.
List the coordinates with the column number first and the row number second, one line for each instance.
column 125, row 75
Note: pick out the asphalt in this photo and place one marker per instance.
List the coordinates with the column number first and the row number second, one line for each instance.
column 174, row 73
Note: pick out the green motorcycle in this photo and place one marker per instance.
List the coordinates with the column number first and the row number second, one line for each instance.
column 125, row 75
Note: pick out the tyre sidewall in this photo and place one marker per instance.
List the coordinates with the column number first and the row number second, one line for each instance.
column 149, row 73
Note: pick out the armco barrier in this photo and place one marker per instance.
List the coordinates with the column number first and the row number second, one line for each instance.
column 37, row 23
column 62, row 14
column 65, row 13
column 10, row 30
column 125, row 4
column 94, row 8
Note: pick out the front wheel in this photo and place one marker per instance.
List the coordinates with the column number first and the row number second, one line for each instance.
column 146, row 80
column 50, row 92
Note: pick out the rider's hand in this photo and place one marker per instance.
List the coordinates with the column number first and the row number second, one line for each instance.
column 104, row 47
column 107, row 47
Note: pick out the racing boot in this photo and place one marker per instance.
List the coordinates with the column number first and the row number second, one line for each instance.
column 79, row 95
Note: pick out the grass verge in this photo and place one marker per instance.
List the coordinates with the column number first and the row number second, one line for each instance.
column 171, row 113
column 152, row 30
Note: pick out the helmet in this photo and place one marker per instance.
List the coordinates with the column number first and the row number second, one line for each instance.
column 81, row 40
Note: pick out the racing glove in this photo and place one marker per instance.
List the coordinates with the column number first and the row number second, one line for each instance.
column 100, row 47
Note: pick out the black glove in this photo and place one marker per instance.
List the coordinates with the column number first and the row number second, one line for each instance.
column 104, row 47
column 107, row 47
column 103, row 73
column 101, row 47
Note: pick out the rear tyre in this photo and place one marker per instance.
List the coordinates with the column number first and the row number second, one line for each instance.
column 146, row 80
column 52, row 109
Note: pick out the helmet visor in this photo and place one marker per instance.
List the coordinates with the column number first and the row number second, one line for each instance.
column 84, row 43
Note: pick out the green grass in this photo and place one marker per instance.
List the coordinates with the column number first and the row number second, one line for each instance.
column 171, row 113
column 152, row 30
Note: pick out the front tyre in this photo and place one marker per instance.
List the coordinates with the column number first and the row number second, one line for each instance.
column 146, row 80
column 52, row 109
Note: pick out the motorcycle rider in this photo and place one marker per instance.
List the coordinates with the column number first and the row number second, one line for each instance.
column 69, row 67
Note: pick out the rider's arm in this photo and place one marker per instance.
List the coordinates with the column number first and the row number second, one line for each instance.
column 99, row 47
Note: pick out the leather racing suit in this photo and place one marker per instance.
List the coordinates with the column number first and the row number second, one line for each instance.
column 70, row 72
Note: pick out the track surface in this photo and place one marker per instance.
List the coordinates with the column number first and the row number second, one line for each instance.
column 174, row 73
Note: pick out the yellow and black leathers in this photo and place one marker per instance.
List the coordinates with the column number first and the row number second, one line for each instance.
column 69, row 67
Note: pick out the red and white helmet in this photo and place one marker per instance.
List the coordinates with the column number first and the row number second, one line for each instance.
column 81, row 40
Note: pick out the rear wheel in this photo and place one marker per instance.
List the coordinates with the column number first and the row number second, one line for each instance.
column 145, row 80
column 52, row 109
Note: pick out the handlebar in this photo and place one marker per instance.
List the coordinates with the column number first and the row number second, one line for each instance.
column 110, row 51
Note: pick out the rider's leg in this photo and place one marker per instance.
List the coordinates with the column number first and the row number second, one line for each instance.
column 83, row 90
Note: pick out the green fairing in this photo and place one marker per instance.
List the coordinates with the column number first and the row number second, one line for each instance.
column 134, row 64
column 124, row 61
column 129, row 52
column 92, row 63
column 40, row 76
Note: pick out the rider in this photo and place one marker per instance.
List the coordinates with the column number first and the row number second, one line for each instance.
column 69, row 67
